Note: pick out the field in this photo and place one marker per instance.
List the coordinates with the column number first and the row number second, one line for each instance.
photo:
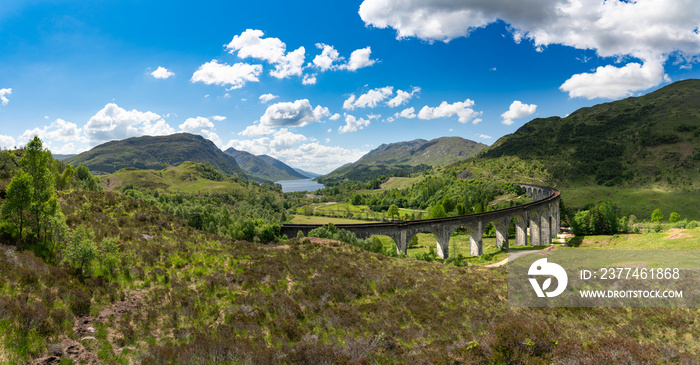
column 305, row 219
column 639, row 201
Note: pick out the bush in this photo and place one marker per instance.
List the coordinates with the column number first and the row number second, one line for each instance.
column 657, row 216
column 80, row 252
column 674, row 217
column 691, row 224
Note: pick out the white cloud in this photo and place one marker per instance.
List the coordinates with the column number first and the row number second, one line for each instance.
column 328, row 56
column 251, row 44
column 353, row 124
column 265, row 98
column 649, row 30
column 202, row 126
column 517, row 110
column 283, row 139
column 483, row 136
column 309, row 79
column 218, row 118
column 615, row 82
column 402, row 97
column 256, row 130
column 162, row 73
column 369, row 99
column 291, row 64
column 335, row 116
column 460, row 108
column 222, row 74
column 296, row 114
column 408, row 113
column 359, row 58
column 3, row 95
column 113, row 122
column 7, row 142
column 59, row 130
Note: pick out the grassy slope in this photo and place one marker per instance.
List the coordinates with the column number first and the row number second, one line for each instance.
column 202, row 299
column 183, row 178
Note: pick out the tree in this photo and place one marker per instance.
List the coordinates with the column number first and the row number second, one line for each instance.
column 19, row 200
column 657, row 216
column 674, row 217
column 35, row 162
column 81, row 250
column 437, row 211
column 109, row 256
column 393, row 211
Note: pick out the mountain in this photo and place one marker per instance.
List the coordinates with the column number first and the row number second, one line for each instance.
column 264, row 167
column 404, row 158
column 61, row 157
column 307, row 173
column 156, row 153
column 650, row 139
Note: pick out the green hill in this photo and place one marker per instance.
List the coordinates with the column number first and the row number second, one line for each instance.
column 264, row 167
column 188, row 177
column 156, row 153
column 650, row 140
column 403, row 158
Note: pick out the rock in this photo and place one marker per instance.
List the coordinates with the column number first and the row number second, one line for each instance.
column 88, row 338
column 49, row 360
column 465, row 175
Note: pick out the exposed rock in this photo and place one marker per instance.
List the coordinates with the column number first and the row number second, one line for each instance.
column 466, row 174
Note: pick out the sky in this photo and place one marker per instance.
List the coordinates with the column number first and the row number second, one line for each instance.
column 318, row 84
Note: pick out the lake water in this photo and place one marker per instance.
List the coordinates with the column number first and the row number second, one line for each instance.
column 290, row 186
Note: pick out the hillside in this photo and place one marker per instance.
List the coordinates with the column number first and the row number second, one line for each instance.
column 646, row 141
column 404, row 158
column 156, row 153
column 180, row 296
column 188, row 177
column 264, row 167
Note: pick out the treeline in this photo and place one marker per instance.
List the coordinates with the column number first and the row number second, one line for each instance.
column 370, row 174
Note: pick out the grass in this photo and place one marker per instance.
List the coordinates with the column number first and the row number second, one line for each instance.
column 304, row 219
column 401, row 182
column 182, row 178
column 676, row 239
column 638, row 201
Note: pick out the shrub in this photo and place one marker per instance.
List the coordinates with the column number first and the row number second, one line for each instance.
column 674, row 217
column 691, row 224
column 657, row 216
column 80, row 252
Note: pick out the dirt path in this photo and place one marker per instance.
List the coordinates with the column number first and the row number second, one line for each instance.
column 516, row 255
column 84, row 331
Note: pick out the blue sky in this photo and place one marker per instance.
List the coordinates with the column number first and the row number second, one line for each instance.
column 316, row 83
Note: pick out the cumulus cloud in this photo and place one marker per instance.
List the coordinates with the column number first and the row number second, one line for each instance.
column 113, row 122
column 615, row 82
column 222, row 74
column 328, row 56
column 335, row 116
column 299, row 151
column 309, row 79
column 402, row 97
column 462, row 109
column 7, row 142
column 369, row 99
column 202, row 126
column 218, row 118
column 291, row 64
column 358, row 59
column 59, row 130
column 251, row 44
column 162, row 73
column 256, row 130
column 408, row 113
column 353, row 124
column 265, row 98
column 3, row 95
column 296, row 114
column 647, row 30
column 517, row 110
column 483, row 136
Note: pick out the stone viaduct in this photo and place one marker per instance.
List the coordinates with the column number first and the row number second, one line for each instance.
column 540, row 218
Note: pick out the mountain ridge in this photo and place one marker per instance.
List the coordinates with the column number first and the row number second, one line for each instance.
column 263, row 166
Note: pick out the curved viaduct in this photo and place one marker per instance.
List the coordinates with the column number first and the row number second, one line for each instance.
column 541, row 218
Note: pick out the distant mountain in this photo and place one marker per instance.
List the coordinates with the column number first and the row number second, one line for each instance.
column 264, row 167
column 156, row 153
column 638, row 141
column 310, row 175
column 61, row 157
column 403, row 158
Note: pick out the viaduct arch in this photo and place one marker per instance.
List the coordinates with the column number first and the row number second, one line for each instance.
column 540, row 217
